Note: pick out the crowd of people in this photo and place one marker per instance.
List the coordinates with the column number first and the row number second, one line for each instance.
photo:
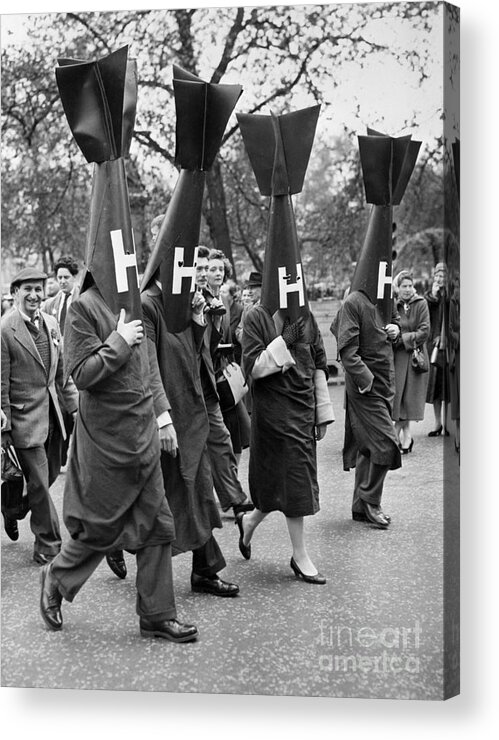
column 153, row 447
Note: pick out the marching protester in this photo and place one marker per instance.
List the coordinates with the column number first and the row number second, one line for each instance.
column 284, row 355
column 33, row 391
column 410, row 380
column 114, row 498
column 119, row 503
column 366, row 327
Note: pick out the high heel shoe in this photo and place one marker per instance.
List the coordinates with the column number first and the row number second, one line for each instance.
column 245, row 550
column 317, row 579
column 405, row 450
column 436, row 432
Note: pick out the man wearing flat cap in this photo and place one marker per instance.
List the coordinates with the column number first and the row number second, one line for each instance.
column 32, row 384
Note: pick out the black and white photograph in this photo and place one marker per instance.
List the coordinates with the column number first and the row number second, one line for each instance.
column 231, row 351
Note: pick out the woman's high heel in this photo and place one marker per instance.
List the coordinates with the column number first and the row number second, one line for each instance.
column 436, row 432
column 405, row 450
column 245, row 550
column 317, row 579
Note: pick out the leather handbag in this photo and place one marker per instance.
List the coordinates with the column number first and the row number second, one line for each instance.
column 419, row 360
column 14, row 497
column 231, row 385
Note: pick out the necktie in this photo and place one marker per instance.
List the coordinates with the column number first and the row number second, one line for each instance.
column 62, row 317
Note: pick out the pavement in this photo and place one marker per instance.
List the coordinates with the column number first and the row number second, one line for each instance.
column 375, row 630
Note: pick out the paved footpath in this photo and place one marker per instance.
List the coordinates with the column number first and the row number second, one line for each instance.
column 374, row 630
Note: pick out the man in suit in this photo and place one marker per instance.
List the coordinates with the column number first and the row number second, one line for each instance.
column 66, row 272
column 32, row 384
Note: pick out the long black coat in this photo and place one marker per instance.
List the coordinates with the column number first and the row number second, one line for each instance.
column 114, row 496
column 283, row 465
column 187, row 477
column 367, row 355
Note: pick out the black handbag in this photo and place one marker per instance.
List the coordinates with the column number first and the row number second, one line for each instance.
column 14, row 498
column 419, row 361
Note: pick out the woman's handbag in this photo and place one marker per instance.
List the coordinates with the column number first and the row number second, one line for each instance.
column 419, row 360
column 231, row 385
column 14, row 499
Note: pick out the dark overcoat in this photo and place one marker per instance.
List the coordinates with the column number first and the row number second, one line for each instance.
column 187, row 477
column 283, row 464
column 367, row 355
column 114, row 496
column 410, row 386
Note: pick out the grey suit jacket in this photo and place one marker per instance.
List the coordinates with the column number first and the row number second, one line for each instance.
column 27, row 390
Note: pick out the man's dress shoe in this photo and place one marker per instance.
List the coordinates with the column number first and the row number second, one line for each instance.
column 374, row 515
column 361, row 516
column 245, row 550
column 318, row 578
column 169, row 629
column 116, row 562
column 10, row 526
column 214, row 586
column 43, row 558
column 50, row 600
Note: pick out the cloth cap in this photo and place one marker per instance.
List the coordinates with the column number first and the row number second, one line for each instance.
column 27, row 273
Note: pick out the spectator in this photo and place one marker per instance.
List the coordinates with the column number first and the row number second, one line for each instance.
column 32, row 389
column 410, row 386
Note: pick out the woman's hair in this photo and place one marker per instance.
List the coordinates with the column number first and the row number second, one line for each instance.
column 217, row 254
column 402, row 275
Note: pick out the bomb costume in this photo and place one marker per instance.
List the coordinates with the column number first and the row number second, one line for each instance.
column 364, row 345
column 114, row 494
column 174, row 337
column 283, row 351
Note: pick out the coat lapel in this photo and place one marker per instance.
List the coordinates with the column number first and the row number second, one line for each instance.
column 23, row 336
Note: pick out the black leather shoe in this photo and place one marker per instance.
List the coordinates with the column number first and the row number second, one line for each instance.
column 50, row 600
column 318, row 579
column 376, row 516
column 241, row 508
column 245, row 550
column 361, row 516
column 168, row 629
column 436, row 432
column 116, row 562
column 43, row 558
column 10, row 526
column 214, row 586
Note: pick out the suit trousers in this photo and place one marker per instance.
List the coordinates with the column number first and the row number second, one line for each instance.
column 369, row 479
column 208, row 559
column 154, row 582
column 41, row 466
column 222, row 459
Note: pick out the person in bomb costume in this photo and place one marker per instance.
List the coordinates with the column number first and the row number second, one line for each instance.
column 283, row 352
column 367, row 325
column 114, row 495
column 175, row 325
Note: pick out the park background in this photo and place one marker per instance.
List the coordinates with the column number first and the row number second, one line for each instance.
column 25, row 712
column 375, row 64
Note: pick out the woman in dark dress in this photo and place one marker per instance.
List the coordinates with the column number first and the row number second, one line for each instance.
column 290, row 411
column 438, row 381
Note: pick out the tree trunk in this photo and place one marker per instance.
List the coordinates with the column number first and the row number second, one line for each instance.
column 216, row 212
